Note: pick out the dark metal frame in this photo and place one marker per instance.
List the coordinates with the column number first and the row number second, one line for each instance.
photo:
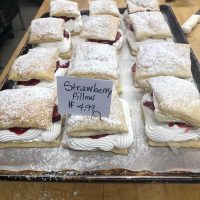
column 116, row 175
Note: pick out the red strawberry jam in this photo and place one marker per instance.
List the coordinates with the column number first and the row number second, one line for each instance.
column 66, row 34
column 118, row 36
column 149, row 104
column 18, row 131
column 56, row 116
column 134, row 68
column 179, row 124
column 67, row 18
column 98, row 136
column 58, row 65
column 29, row 83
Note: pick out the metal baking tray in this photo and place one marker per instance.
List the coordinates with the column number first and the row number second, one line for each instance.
column 114, row 175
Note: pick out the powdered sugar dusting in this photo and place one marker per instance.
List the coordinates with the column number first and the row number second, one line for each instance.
column 176, row 97
column 46, row 30
column 142, row 5
column 99, row 7
column 89, row 59
column 38, row 63
column 61, row 8
column 26, row 107
column 149, row 25
column 163, row 58
column 98, row 27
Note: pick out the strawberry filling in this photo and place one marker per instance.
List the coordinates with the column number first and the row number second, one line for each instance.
column 134, row 68
column 66, row 34
column 33, row 82
column 55, row 118
column 118, row 36
column 149, row 104
column 67, row 18
column 98, row 136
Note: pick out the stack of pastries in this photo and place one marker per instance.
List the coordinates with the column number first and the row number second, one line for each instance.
column 51, row 55
column 163, row 70
column 29, row 113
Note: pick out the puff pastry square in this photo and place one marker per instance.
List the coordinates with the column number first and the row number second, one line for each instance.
column 149, row 25
column 46, row 30
column 60, row 8
column 162, row 59
column 38, row 63
column 142, row 5
column 134, row 45
column 102, row 7
column 99, row 27
column 176, row 100
column 171, row 134
column 29, row 107
column 82, row 126
column 92, row 61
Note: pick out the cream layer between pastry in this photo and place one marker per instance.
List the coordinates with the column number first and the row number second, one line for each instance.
column 165, row 132
column 108, row 142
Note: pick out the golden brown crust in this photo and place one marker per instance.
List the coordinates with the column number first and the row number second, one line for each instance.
column 38, row 63
column 46, row 30
column 61, row 8
column 98, row 27
column 189, row 143
column 27, row 107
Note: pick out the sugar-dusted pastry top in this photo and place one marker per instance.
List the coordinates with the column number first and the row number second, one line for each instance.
column 176, row 100
column 94, row 60
column 86, row 125
column 101, row 7
column 163, row 58
column 46, row 30
column 60, row 8
column 99, row 27
column 149, row 25
column 27, row 107
column 165, row 132
column 38, row 63
column 142, row 5
column 130, row 35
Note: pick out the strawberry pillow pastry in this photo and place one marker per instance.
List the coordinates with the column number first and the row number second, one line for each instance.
column 97, row 28
column 104, row 7
column 149, row 27
column 171, row 113
column 142, row 5
column 161, row 59
column 39, row 67
column 90, row 60
column 114, row 133
column 23, row 120
column 67, row 10
column 50, row 32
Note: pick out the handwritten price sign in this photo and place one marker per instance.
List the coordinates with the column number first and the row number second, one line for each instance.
column 84, row 96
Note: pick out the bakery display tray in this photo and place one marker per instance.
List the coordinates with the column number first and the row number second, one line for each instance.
column 115, row 174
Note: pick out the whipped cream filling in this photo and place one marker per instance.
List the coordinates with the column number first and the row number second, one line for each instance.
column 162, row 132
column 63, row 46
column 74, row 25
column 32, row 134
column 50, row 84
column 107, row 143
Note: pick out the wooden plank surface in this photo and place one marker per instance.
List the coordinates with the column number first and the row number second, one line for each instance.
column 45, row 191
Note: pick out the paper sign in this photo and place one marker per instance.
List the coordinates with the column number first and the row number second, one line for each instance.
column 84, row 96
